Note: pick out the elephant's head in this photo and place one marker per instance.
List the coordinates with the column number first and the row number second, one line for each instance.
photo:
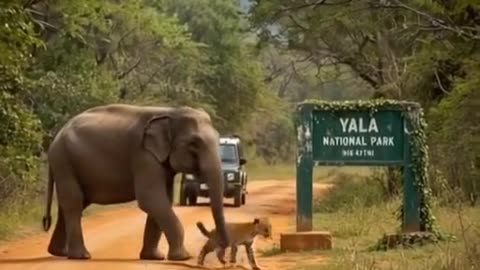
column 186, row 140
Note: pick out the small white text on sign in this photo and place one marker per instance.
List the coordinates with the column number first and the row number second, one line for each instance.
column 355, row 131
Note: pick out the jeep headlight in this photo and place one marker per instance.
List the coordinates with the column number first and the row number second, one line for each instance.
column 230, row 176
column 189, row 176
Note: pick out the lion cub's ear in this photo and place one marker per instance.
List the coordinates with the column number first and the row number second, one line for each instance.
column 256, row 221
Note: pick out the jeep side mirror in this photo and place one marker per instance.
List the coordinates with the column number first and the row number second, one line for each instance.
column 243, row 161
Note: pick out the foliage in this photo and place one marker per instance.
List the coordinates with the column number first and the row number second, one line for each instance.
column 68, row 90
column 20, row 131
column 406, row 240
column 58, row 58
column 422, row 51
column 235, row 78
column 458, row 133
column 20, row 139
column 346, row 192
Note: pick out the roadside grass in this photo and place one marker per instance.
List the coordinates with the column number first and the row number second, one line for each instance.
column 260, row 170
column 359, row 228
column 14, row 216
column 357, row 215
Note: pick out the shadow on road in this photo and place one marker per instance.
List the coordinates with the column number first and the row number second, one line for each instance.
column 52, row 259
column 206, row 204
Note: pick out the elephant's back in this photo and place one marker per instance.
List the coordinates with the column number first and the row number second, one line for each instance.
column 99, row 144
column 109, row 131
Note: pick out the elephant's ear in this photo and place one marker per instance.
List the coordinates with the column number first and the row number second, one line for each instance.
column 157, row 137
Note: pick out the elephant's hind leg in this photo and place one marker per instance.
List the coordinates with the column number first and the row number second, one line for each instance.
column 58, row 242
column 57, row 246
column 75, row 244
column 72, row 203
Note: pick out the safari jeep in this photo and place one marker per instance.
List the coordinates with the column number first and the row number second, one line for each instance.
column 234, row 175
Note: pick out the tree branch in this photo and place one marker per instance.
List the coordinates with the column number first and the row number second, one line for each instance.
column 30, row 3
column 278, row 71
column 297, row 23
column 368, row 78
column 313, row 5
column 434, row 21
column 125, row 73
column 440, row 85
column 287, row 9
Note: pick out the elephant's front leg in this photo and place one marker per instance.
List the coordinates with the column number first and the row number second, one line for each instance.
column 152, row 197
column 151, row 237
column 152, row 232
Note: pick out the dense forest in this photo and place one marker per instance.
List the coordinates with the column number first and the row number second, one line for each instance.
column 246, row 62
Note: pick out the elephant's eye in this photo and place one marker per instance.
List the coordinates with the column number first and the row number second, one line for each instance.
column 193, row 147
column 194, row 153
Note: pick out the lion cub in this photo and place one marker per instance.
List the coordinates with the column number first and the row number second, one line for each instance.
column 240, row 234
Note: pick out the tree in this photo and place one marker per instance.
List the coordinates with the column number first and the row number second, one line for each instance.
column 403, row 49
column 20, row 131
column 235, row 81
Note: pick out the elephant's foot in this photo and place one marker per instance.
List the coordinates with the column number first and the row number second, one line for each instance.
column 81, row 254
column 59, row 252
column 153, row 255
column 179, row 254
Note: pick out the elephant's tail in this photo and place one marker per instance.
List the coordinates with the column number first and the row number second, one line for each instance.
column 202, row 229
column 47, row 218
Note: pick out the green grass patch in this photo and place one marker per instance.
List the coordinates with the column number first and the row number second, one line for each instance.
column 259, row 170
column 13, row 216
column 355, row 233
column 350, row 192
column 357, row 219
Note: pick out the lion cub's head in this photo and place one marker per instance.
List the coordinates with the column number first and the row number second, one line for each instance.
column 263, row 227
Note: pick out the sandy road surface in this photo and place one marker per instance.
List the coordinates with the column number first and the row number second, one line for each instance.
column 114, row 237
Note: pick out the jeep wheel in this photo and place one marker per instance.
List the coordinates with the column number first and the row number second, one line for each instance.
column 237, row 197
column 192, row 199
column 243, row 198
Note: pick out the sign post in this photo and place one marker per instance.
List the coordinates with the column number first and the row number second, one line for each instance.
column 355, row 133
column 305, row 170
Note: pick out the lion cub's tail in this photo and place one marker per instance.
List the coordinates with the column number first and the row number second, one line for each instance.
column 202, row 229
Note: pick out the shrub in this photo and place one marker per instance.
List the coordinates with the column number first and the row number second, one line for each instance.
column 350, row 190
column 20, row 146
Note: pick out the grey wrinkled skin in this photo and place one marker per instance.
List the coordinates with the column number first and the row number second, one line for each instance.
column 119, row 153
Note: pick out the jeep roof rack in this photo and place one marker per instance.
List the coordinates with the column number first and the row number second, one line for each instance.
column 230, row 136
column 232, row 140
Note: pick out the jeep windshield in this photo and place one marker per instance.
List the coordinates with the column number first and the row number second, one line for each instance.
column 228, row 153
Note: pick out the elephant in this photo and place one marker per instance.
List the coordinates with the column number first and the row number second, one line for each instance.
column 117, row 153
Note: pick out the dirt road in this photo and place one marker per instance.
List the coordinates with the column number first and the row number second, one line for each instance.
column 114, row 236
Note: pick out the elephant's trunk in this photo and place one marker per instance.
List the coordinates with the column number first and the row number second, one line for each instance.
column 211, row 171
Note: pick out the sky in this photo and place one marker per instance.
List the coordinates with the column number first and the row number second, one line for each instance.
column 245, row 3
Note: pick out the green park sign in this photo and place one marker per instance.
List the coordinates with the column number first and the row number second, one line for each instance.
column 365, row 133
column 358, row 137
